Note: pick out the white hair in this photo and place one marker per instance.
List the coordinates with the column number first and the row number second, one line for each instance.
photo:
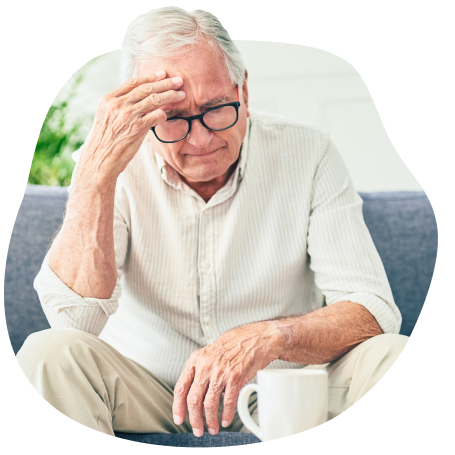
column 171, row 31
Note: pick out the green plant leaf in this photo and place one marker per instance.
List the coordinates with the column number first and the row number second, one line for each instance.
column 52, row 164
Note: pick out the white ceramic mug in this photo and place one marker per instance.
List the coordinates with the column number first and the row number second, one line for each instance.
column 289, row 402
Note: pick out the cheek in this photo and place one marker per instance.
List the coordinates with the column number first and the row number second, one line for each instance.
column 169, row 152
column 235, row 140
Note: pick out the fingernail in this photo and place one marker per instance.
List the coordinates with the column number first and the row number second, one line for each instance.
column 160, row 73
column 177, row 420
column 225, row 423
column 212, row 431
column 197, row 432
column 182, row 94
column 177, row 80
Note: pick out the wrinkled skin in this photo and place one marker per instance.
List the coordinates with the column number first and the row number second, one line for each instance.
column 223, row 366
column 235, row 358
column 123, row 120
column 205, row 159
column 82, row 255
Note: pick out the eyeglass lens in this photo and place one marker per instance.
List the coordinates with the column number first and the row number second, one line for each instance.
column 215, row 119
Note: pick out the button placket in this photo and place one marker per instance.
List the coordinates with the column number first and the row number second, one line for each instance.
column 205, row 275
column 202, row 268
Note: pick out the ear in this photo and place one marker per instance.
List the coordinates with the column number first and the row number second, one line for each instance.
column 245, row 93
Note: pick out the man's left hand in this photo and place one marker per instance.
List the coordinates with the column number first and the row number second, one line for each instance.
column 224, row 366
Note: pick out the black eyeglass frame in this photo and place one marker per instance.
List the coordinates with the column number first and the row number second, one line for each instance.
column 235, row 104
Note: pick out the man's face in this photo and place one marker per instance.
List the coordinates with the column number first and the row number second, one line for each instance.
column 203, row 155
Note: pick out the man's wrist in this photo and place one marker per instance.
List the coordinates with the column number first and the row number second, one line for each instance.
column 281, row 337
column 97, row 180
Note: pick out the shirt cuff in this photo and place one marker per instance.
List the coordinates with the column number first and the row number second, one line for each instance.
column 388, row 318
column 55, row 294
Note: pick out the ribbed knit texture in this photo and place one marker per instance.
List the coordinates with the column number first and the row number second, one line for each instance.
column 283, row 235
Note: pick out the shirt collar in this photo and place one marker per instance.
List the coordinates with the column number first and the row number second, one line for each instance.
column 244, row 150
column 170, row 176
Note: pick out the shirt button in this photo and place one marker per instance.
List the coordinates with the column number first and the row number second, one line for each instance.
column 205, row 265
column 207, row 319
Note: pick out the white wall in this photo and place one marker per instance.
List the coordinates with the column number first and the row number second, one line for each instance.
column 301, row 83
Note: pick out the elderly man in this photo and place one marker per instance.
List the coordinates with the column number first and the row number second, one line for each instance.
column 202, row 243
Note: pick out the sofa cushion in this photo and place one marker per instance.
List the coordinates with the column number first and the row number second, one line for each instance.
column 221, row 439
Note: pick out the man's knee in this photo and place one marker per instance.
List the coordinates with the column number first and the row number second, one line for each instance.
column 373, row 359
column 52, row 346
column 360, row 369
column 386, row 346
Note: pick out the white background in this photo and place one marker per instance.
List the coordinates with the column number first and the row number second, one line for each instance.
column 299, row 82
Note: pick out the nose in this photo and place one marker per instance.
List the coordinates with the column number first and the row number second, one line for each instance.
column 199, row 136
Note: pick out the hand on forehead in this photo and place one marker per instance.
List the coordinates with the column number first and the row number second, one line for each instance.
column 205, row 79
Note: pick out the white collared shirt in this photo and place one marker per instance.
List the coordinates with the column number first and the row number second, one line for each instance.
column 284, row 236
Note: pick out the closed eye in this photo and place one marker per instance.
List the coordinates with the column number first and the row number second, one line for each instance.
column 215, row 110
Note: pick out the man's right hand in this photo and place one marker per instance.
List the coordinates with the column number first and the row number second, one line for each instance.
column 83, row 252
column 123, row 120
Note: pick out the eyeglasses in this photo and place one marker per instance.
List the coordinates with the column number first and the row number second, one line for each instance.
column 217, row 118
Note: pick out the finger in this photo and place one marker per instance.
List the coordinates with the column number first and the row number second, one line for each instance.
column 231, row 394
column 156, row 100
column 144, row 90
column 181, row 390
column 195, row 405
column 154, row 118
column 211, row 405
column 134, row 82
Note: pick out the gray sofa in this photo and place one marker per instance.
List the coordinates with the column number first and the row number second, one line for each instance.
column 402, row 225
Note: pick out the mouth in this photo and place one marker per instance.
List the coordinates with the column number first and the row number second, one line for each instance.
column 198, row 155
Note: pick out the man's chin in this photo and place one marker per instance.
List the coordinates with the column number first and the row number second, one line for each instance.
column 204, row 173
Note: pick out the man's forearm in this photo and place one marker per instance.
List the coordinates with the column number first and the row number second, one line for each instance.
column 83, row 255
column 325, row 334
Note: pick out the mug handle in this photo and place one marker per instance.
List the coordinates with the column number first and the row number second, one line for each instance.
column 244, row 414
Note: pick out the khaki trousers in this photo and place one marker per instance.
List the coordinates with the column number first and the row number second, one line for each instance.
column 90, row 382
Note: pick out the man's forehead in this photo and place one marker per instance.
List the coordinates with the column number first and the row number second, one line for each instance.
column 200, row 61
column 205, row 79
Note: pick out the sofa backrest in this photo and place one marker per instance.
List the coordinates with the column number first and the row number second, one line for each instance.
column 403, row 228
column 402, row 225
